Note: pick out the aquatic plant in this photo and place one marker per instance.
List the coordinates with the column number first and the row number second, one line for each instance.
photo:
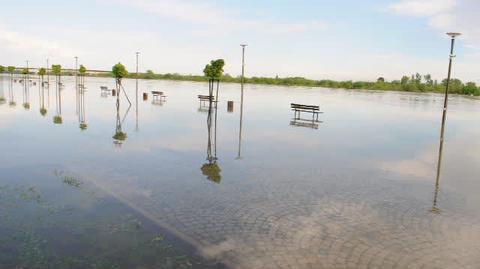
column 212, row 172
column 2, row 99
column 83, row 126
column 26, row 106
column 43, row 111
column 12, row 104
column 72, row 181
column 57, row 120
column 121, row 136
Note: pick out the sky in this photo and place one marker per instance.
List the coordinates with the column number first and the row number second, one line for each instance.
column 317, row 39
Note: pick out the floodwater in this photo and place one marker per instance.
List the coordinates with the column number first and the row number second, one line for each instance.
column 194, row 186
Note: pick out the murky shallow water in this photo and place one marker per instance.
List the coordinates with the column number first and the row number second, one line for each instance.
column 357, row 192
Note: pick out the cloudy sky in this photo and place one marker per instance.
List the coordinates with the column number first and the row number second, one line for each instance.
column 335, row 39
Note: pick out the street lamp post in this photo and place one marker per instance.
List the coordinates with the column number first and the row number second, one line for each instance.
column 76, row 71
column 444, row 118
column 48, row 74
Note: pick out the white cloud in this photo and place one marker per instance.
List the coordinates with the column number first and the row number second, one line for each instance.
column 445, row 16
column 22, row 42
column 423, row 7
column 217, row 19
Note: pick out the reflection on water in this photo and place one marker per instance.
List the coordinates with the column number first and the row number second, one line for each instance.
column 357, row 194
column 211, row 169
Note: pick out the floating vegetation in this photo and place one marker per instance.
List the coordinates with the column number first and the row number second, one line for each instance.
column 2, row 100
column 72, row 181
column 57, row 120
column 26, row 106
column 43, row 111
column 212, row 172
column 69, row 180
column 83, row 126
column 12, row 104
column 81, row 233
column 121, row 136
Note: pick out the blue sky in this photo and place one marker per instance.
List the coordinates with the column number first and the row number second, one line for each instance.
column 323, row 39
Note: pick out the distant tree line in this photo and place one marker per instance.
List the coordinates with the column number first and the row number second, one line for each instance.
column 413, row 83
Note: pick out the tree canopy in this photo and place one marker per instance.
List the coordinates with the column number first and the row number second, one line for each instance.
column 82, row 69
column 11, row 69
column 119, row 71
column 2, row 68
column 42, row 71
column 56, row 69
column 214, row 70
column 25, row 71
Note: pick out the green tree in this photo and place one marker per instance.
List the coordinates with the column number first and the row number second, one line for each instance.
column 470, row 88
column 11, row 69
column 381, row 79
column 2, row 68
column 82, row 70
column 25, row 71
column 119, row 71
column 214, row 70
column 456, row 85
column 57, row 69
column 42, row 71
column 150, row 74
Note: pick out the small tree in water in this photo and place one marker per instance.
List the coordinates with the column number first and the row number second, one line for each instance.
column 82, row 70
column 119, row 72
column 214, row 71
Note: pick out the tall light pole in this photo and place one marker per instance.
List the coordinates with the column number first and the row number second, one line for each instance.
column 136, row 90
column 76, row 86
column 241, row 102
column 444, row 118
column 48, row 74
column 76, row 71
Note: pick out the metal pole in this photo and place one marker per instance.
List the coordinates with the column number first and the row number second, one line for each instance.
column 48, row 74
column 444, row 118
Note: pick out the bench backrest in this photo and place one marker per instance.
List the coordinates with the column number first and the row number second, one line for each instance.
column 306, row 107
column 207, row 97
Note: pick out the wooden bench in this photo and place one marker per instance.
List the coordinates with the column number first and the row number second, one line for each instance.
column 298, row 108
column 158, row 96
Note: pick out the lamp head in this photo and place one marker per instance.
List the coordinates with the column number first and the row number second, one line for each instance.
column 453, row 34
column 243, row 45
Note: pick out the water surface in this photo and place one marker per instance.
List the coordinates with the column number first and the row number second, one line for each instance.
column 358, row 190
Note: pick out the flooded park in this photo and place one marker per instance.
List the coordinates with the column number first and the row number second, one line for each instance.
column 170, row 181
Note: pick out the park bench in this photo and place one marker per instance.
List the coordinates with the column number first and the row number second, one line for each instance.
column 205, row 102
column 104, row 91
column 298, row 108
column 158, row 96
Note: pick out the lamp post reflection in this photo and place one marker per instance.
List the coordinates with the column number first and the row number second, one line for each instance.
column 211, row 169
column 81, row 110
column 2, row 93
column 242, row 82
column 57, row 119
